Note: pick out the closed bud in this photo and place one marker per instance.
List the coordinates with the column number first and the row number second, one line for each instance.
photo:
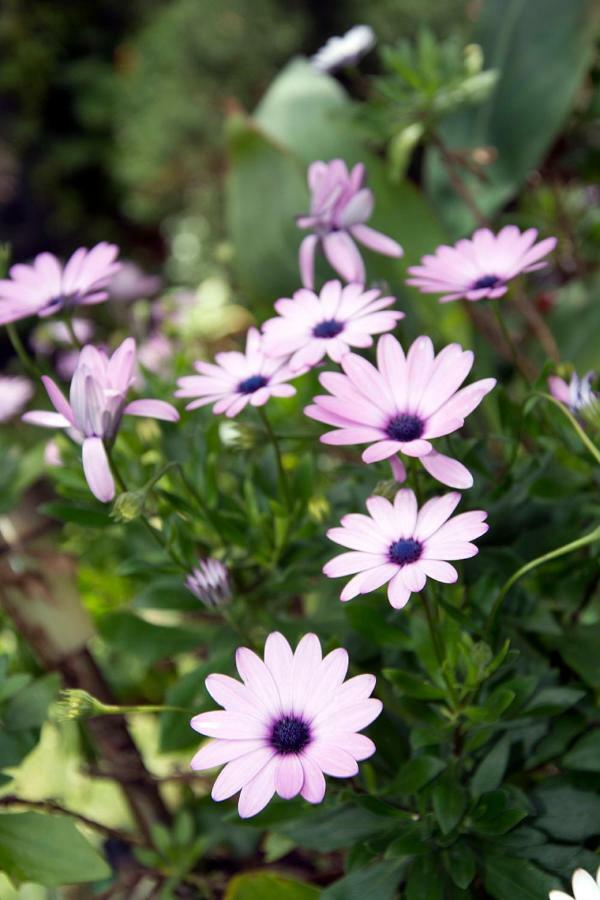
column 209, row 583
column 318, row 508
column 128, row 506
column 76, row 704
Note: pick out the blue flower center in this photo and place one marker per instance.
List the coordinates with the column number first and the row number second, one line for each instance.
column 404, row 427
column 329, row 328
column 290, row 735
column 405, row 551
column 486, row 281
column 249, row 385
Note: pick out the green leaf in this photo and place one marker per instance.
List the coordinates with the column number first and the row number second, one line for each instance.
column 376, row 882
column 579, row 649
column 449, row 801
column 489, row 773
column 460, row 862
column 268, row 886
column 48, row 850
column 570, row 809
column 130, row 634
column 76, row 513
column 416, row 773
column 411, row 842
column 585, row 755
column 326, row 830
column 499, row 811
column 529, row 104
column 28, row 708
column 425, row 880
column 552, row 700
column 413, row 686
column 509, row 878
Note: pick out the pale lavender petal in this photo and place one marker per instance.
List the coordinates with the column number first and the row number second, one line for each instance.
column 331, row 759
column 289, row 776
column 97, row 469
column 256, row 794
column 413, row 577
column 439, row 570
column 313, row 787
column 257, row 677
column 398, row 593
column 559, row 389
column 434, row 513
column 154, row 409
column 216, row 752
column 228, row 725
column 376, row 241
column 447, row 470
column 58, row 399
column 46, row 419
column 343, row 256
column 239, row 772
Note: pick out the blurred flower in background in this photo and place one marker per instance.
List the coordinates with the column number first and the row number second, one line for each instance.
column 209, row 583
column 132, row 283
column 346, row 50
column 15, row 393
column 585, row 887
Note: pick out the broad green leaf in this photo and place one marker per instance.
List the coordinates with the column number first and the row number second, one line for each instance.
column 48, row 850
column 27, row 709
column 509, row 878
column 570, row 808
column 461, row 864
column 585, row 754
column 326, row 830
column 529, row 104
column 412, row 686
column 425, row 880
column 268, row 886
column 77, row 513
column 128, row 633
column 375, row 882
column 449, row 801
column 499, row 811
column 416, row 773
column 489, row 773
column 579, row 649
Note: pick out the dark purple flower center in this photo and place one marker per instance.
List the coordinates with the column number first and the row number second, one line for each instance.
column 290, row 735
column 251, row 384
column 486, row 281
column 405, row 551
column 404, row 427
column 329, row 328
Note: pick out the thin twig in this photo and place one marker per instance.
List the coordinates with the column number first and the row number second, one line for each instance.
column 54, row 807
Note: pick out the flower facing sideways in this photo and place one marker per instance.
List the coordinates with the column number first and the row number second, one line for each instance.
column 209, row 583
column 578, row 394
column 399, row 545
column 46, row 286
column 311, row 325
column 402, row 405
column 96, row 405
column 584, row 887
column 292, row 720
column 480, row 267
column 339, row 208
column 238, row 379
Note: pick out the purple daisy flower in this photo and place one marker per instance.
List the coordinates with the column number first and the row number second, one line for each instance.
column 480, row 267
column 314, row 325
column 402, row 405
column 578, row 394
column 292, row 721
column 399, row 545
column 238, row 379
column 339, row 208
column 46, row 286
column 97, row 403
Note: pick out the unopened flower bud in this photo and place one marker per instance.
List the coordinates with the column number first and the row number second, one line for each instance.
column 209, row 582
column 318, row 508
column 239, row 435
column 76, row 704
column 128, row 506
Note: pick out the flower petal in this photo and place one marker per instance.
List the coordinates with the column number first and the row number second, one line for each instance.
column 97, row 469
column 289, row 776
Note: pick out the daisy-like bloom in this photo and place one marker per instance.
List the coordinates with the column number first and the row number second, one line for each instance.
column 339, row 208
column 15, row 392
column 480, row 267
column 346, row 50
column 209, row 583
column 402, row 405
column 584, row 887
column 238, row 379
column 311, row 325
column 97, row 403
column 293, row 720
column 578, row 394
column 46, row 286
column 399, row 545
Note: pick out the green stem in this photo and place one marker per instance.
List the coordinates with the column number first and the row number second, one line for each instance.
column 21, row 352
column 574, row 425
column 68, row 320
column 589, row 538
column 511, row 344
column 437, row 646
column 199, row 500
column 285, row 488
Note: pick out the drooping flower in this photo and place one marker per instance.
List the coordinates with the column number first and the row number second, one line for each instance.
column 209, row 583
column 480, row 267
column 578, row 394
column 346, row 50
column 46, row 286
column 339, row 208
column 238, row 379
column 292, row 721
column 311, row 325
column 15, row 392
column 584, row 887
column 402, row 405
column 400, row 545
column 97, row 403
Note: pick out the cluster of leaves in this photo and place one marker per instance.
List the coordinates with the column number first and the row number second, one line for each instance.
column 485, row 782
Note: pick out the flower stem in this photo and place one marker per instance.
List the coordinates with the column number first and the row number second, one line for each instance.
column 21, row 352
column 68, row 320
column 516, row 357
column 574, row 425
column 589, row 538
column 437, row 645
column 285, row 488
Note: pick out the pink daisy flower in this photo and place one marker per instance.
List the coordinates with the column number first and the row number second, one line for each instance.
column 402, row 405
column 339, row 208
column 314, row 325
column 46, row 286
column 292, row 721
column 401, row 546
column 97, row 403
column 480, row 267
column 15, row 392
column 238, row 379
column 578, row 394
